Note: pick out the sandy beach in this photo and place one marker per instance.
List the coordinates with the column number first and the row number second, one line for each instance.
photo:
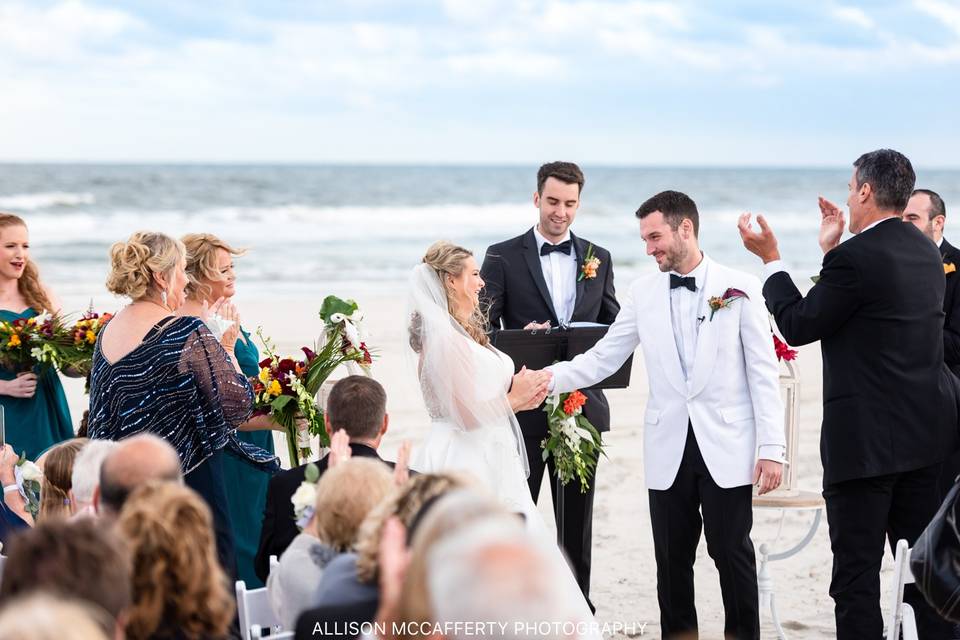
column 624, row 571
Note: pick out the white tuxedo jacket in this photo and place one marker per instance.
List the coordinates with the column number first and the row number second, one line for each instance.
column 732, row 394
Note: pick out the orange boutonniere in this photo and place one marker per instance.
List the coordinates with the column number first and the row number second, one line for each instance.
column 588, row 270
column 722, row 302
column 949, row 267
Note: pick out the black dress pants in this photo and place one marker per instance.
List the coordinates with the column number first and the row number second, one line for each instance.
column 727, row 518
column 862, row 513
column 577, row 513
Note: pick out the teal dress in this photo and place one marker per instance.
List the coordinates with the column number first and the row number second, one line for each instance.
column 35, row 424
column 246, row 484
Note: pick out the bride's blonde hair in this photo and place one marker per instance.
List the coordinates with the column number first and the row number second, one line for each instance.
column 447, row 259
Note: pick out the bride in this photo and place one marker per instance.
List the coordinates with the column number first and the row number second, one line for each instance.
column 471, row 391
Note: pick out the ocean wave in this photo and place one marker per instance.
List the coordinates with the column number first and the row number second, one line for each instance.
column 46, row 200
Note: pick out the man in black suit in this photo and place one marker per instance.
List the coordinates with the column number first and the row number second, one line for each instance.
column 889, row 401
column 358, row 405
column 540, row 279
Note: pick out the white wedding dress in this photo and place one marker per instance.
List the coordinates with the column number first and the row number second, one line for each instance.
column 473, row 429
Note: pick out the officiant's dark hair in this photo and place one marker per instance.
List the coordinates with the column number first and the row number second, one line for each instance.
column 674, row 206
column 563, row 171
column 890, row 175
column 937, row 208
column 357, row 405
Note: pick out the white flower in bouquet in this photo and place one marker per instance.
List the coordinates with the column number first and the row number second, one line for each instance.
column 29, row 471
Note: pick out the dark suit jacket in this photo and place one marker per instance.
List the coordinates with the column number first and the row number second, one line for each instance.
column 279, row 522
column 889, row 402
column 951, row 307
column 517, row 294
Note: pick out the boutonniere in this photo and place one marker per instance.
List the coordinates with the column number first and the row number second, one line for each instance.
column 721, row 302
column 949, row 267
column 590, row 265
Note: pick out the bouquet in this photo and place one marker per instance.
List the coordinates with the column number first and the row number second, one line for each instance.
column 305, row 497
column 22, row 342
column 573, row 442
column 783, row 350
column 28, row 477
column 286, row 388
column 71, row 347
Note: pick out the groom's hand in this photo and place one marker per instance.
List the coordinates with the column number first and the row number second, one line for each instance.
column 763, row 243
column 767, row 475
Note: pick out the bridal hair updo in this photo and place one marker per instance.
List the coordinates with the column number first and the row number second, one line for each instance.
column 447, row 259
column 29, row 282
column 202, row 262
column 133, row 263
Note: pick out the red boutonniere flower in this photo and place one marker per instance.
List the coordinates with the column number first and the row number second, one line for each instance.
column 784, row 352
column 721, row 302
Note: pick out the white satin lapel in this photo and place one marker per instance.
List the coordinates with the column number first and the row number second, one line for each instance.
column 666, row 344
column 707, row 338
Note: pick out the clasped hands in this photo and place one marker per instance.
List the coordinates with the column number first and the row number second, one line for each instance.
column 529, row 389
column 764, row 243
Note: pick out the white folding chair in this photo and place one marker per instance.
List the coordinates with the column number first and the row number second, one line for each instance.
column 253, row 609
column 256, row 631
column 901, row 613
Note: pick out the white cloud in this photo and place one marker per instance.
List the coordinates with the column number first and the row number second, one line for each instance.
column 853, row 15
column 946, row 12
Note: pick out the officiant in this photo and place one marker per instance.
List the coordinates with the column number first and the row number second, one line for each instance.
column 548, row 277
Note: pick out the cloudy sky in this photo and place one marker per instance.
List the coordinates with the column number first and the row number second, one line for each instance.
column 632, row 82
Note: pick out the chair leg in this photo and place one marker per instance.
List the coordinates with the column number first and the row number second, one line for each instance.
column 908, row 623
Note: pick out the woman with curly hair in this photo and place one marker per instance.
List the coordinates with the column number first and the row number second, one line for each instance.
column 35, row 407
column 179, row 589
column 58, row 479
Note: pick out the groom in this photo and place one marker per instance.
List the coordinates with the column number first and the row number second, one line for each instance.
column 534, row 280
column 714, row 419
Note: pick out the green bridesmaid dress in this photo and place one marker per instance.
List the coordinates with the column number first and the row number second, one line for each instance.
column 35, row 424
column 247, row 485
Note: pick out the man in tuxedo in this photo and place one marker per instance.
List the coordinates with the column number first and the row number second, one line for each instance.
column 358, row 405
column 713, row 425
column 538, row 280
column 889, row 401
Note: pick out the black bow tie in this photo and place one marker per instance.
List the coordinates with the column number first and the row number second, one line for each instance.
column 683, row 281
column 547, row 248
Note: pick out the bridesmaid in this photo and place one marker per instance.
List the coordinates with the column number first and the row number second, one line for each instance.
column 35, row 407
column 212, row 279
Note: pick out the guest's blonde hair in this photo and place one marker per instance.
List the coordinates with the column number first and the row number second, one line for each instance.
column 134, row 262
column 202, row 262
column 447, row 259
column 41, row 616
column 28, row 284
column 405, row 504
column 58, row 478
column 345, row 495
column 177, row 580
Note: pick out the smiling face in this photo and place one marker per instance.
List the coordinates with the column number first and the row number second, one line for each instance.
column 14, row 251
column 175, row 284
column 666, row 246
column 465, row 288
column 856, row 203
column 558, row 203
column 226, row 286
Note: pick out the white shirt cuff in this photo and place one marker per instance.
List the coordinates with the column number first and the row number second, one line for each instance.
column 775, row 452
column 772, row 267
column 553, row 381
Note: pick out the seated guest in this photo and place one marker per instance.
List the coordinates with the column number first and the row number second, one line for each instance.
column 71, row 559
column 135, row 461
column 179, row 588
column 349, row 583
column 345, row 495
column 86, row 475
column 40, row 616
column 13, row 508
column 58, row 479
column 357, row 405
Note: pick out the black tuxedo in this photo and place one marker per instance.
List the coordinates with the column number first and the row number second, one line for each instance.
column 951, row 307
column 517, row 294
column 279, row 522
column 889, row 404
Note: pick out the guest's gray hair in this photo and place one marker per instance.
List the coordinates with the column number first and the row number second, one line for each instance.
column 86, row 469
column 494, row 571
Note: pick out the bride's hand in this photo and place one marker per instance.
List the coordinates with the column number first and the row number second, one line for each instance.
column 529, row 389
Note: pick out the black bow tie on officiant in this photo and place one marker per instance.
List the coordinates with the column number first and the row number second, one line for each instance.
column 683, row 281
column 547, row 248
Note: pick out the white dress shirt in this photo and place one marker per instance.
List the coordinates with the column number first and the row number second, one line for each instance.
column 684, row 307
column 560, row 273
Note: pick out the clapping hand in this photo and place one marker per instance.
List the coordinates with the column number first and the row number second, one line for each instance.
column 832, row 224
column 401, row 470
column 763, row 243
column 339, row 448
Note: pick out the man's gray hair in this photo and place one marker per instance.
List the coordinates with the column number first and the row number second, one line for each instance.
column 494, row 571
column 86, row 468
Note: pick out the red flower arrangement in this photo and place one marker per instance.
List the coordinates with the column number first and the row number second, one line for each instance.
column 783, row 350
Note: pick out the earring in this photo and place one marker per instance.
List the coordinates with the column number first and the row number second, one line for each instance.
column 163, row 297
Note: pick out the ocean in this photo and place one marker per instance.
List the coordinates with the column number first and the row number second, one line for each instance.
column 359, row 229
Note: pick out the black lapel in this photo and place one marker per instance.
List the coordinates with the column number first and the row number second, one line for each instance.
column 580, row 246
column 946, row 249
column 531, row 252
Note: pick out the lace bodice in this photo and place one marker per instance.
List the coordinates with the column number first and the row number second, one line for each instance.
column 491, row 360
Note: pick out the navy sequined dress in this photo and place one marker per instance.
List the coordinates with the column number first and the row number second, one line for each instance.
column 181, row 385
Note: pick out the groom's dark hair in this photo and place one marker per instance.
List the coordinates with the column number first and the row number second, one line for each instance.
column 674, row 206
column 566, row 172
